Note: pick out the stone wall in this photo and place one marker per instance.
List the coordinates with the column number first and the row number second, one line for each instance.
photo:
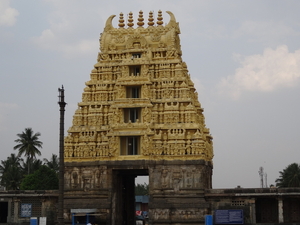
column 176, row 189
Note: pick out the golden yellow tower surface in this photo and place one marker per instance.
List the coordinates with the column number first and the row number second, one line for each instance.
column 140, row 103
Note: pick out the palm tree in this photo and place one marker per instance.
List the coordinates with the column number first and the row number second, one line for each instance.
column 289, row 177
column 53, row 163
column 34, row 165
column 11, row 172
column 28, row 144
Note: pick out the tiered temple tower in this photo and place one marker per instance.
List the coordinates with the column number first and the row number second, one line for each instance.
column 139, row 115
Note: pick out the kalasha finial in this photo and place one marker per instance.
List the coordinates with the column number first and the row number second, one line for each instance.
column 159, row 18
column 121, row 21
column 150, row 19
column 130, row 20
column 140, row 19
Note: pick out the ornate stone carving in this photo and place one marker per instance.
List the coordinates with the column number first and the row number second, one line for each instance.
column 168, row 117
column 177, row 214
column 139, row 113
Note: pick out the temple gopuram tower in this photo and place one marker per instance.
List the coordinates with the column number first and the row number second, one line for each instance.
column 139, row 115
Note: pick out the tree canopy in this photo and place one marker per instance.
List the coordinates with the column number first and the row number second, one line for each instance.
column 11, row 172
column 53, row 163
column 289, row 177
column 141, row 189
column 42, row 179
column 41, row 175
column 28, row 144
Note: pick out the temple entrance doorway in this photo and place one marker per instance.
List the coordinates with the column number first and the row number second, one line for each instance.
column 124, row 195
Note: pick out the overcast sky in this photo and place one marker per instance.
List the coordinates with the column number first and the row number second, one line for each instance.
column 243, row 56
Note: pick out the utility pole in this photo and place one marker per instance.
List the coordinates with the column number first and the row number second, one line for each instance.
column 261, row 175
column 62, row 104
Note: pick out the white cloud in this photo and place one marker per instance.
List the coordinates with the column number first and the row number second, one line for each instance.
column 8, row 15
column 50, row 40
column 68, row 32
column 198, row 85
column 273, row 69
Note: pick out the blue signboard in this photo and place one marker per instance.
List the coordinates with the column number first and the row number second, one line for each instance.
column 230, row 216
column 26, row 210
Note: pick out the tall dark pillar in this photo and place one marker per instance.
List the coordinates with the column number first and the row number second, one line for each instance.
column 62, row 105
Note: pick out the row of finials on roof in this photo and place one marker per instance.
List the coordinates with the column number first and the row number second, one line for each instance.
column 140, row 22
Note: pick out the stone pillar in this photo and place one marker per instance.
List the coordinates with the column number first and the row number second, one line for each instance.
column 252, row 211
column 9, row 216
column 16, row 210
column 280, row 210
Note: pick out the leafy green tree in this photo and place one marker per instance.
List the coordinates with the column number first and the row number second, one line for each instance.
column 42, row 179
column 289, row 177
column 33, row 166
column 37, row 163
column 28, row 144
column 11, row 172
column 53, row 163
column 141, row 189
